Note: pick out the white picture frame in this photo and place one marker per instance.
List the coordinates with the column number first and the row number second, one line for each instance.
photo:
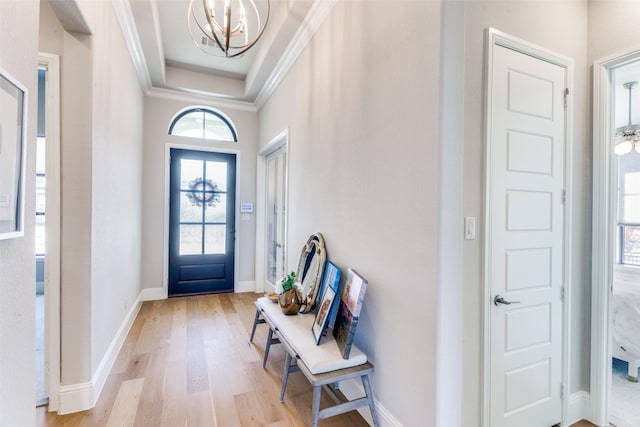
column 13, row 131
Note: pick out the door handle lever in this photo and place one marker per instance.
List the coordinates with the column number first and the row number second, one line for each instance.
column 500, row 300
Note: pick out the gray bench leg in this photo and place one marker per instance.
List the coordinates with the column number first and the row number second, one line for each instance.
column 289, row 366
column 267, row 347
column 372, row 405
column 285, row 376
column 315, row 409
column 256, row 321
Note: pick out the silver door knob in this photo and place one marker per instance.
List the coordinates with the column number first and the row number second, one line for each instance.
column 500, row 300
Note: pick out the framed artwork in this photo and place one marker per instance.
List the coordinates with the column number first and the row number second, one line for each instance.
column 322, row 316
column 351, row 304
column 13, row 108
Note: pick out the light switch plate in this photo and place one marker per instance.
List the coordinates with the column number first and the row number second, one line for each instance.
column 470, row 228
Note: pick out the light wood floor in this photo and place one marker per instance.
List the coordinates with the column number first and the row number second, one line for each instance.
column 583, row 424
column 188, row 362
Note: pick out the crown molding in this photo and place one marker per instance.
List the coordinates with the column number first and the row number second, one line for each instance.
column 200, row 97
column 316, row 16
column 132, row 39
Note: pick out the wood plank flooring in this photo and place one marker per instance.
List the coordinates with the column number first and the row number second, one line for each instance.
column 583, row 423
column 188, row 362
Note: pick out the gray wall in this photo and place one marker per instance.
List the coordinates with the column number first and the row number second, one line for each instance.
column 560, row 26
column 362, row 108
column 19, row 57
column 101, row 178
column 158, row 113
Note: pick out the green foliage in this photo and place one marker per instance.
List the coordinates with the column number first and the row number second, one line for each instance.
column 289, row 282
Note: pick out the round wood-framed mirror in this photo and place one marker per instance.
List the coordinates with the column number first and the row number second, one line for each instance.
column 310, row 269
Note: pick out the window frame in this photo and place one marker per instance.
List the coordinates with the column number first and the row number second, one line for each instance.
column 205, row 111
column 621, row 223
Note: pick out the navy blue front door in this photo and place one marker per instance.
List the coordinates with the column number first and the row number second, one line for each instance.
column 201, row 222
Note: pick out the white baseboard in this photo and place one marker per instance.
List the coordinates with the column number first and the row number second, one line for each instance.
column 352, row 389
column 579, row 407
column 246, row 286
column 80, row 397
column 74, row 398
column 153, row 294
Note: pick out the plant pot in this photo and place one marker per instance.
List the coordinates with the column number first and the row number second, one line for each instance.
column 289, row 301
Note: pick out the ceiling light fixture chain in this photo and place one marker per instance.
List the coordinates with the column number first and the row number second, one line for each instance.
column 240, row 29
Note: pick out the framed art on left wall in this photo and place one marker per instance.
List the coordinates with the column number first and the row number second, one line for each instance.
column 13, row 108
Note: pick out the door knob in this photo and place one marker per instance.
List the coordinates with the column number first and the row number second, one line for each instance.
column 500, row 300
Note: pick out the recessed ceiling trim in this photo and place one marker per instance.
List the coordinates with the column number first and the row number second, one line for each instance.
column 317, row 15
column 196, row 98
column 132, row 39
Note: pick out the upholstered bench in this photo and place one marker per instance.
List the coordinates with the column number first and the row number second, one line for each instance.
column 321, row 364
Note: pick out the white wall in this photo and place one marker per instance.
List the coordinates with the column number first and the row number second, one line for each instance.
column 116, row 182
column 158, row 113
column 19, row 57
column 101, row 168
column 560, row 26
column 362, row 108
column 607, row 33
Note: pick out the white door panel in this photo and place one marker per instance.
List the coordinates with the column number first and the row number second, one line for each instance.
column 275, row 250
column 525, row 235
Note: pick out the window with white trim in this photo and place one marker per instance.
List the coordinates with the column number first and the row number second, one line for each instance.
column 203, row 123
column 629, row 209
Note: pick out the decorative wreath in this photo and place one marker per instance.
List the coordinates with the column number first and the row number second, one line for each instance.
column 203, row 192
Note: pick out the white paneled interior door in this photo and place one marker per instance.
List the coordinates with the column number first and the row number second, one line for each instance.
column 525, row 182
column 276, row 210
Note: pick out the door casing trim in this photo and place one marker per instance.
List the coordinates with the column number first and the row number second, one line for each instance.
column 603, row 239
column 52, row 230
column 277, row 142
column 165, row 204
column 493, row 38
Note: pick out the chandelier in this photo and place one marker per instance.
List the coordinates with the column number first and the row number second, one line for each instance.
column 627, row 137
column 226, row 28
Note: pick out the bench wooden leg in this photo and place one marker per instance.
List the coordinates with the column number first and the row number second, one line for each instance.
column 267, row 347
column 372, row 405
column 256, row 321
column 289, row 366
column 315, row 409
column 285, row 376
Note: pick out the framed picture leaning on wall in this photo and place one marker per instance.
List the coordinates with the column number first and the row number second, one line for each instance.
column 13, row 110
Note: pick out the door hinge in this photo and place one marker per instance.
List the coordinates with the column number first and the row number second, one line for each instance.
column 566, row 95
column 564, row 196
column 561, row 391
column 562, row 294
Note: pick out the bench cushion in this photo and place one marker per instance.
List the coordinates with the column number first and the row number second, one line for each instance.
column 296, row 331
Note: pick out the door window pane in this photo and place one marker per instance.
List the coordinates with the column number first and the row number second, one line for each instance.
column 190, row 171
column 215, row 241
column 40, row 211
column 190, row 208
column 40, row 234
column 217, row 173
column 190, row 239
column 217, row 212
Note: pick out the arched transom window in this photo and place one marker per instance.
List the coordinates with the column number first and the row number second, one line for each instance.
column 203, row 123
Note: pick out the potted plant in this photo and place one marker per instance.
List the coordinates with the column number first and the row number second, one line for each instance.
column 288, row 294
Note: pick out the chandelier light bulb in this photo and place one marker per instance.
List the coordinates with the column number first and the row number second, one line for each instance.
column 226, row 28
column 624, row 147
